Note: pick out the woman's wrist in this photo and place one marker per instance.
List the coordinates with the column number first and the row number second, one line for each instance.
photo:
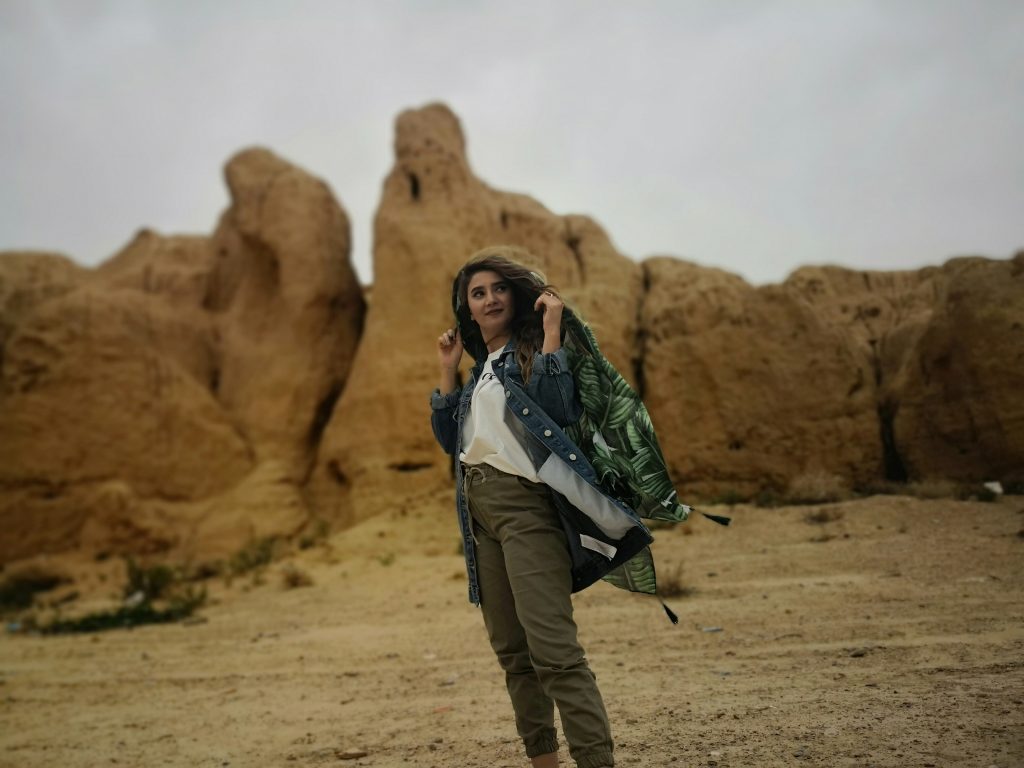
column 447, row 383
column 552, row 341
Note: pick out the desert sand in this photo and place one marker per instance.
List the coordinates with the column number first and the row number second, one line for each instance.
column 892, row 634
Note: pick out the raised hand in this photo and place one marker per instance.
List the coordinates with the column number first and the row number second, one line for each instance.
column 549, row 303
column 449, row 349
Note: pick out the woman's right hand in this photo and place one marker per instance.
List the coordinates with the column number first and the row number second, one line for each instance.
column 449, row 349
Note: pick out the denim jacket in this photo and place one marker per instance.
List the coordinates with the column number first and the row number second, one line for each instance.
column 602, row 532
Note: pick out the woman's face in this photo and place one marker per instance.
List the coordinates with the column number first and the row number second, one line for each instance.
column 491, row 303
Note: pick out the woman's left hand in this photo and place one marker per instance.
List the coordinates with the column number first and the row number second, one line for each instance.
column 551, row 306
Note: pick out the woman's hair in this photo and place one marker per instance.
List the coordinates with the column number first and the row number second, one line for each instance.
column 527, row 324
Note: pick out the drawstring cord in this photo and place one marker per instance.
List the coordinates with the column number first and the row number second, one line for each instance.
column 468, row 473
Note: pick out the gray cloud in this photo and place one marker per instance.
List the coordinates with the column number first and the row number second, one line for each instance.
column 754, row 136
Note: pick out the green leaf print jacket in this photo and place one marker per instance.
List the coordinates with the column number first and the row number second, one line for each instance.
column 616, row 435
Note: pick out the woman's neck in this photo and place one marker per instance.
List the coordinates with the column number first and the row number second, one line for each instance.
column 497, row 342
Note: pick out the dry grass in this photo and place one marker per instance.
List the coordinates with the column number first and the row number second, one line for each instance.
column 932, row 489
column 672, row 585
column 292, row 577
column 822, row 516
column 817, row 487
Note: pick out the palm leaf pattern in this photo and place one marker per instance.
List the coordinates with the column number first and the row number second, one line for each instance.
column 636, row 574
column 616, row 431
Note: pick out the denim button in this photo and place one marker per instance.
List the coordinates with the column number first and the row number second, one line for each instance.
column 547, row 433
column 572, row 457
column 526, row 411
column 507, row 393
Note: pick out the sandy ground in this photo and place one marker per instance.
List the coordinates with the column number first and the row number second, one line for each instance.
column 891, row 636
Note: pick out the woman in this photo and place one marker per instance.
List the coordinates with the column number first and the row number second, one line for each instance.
column 521, row 484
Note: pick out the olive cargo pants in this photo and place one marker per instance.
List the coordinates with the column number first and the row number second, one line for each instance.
column 525, row 595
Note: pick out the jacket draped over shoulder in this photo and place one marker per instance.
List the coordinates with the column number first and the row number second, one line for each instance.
column 602, row 531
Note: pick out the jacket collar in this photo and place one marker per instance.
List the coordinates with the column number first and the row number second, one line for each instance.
column 508, row 349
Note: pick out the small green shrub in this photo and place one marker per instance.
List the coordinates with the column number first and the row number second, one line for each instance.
column 152, row 582
column 18, row 592
column 181, row 605
column 154, row 594
column 254, row 556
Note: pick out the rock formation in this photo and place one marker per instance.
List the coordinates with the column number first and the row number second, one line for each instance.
column 954, row 398
column 746, row 386
column 860, row 376
column 194, row 392
column 173, row 397
column 433, row 214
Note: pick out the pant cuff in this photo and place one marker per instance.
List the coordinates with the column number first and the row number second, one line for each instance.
column 595, row 760
column 541, row 746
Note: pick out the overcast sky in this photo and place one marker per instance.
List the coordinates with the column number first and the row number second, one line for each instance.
column 752, row 136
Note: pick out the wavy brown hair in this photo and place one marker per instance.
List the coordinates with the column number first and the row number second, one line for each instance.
column 527, row 325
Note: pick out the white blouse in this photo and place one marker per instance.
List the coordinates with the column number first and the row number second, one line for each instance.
column 486, row 439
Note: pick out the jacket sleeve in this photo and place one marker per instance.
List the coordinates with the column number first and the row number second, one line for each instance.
column 443, row 410
column 551, row 386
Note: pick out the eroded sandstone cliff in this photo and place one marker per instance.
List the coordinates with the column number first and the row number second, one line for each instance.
column 378, row 448
column 193, row 393
column 173, row 398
